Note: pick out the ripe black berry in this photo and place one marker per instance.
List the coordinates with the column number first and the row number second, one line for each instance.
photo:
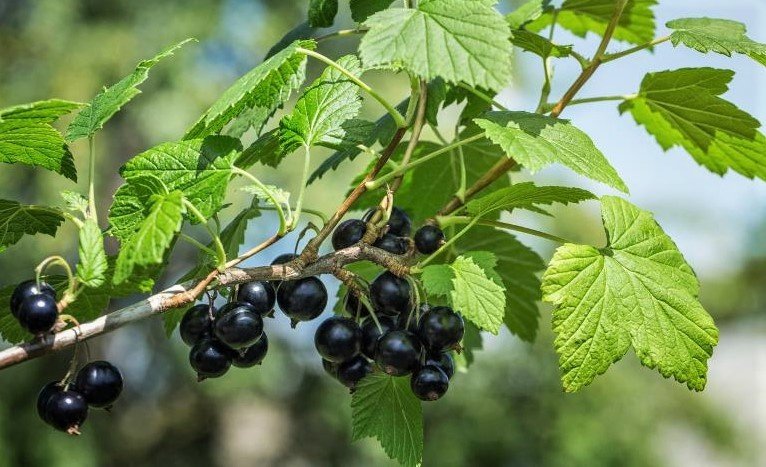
column 398, row 353
column 428, row 239
column 302, row 299
column 238, row 325
column 38, row 313
column 210, row 359
column 100, row 383
column 392, row 244
column 27, row 289
column 252, row 355
column 338, row 339
column 429, row 383
column 443, row 361
column 66, row 411
column 348, row 233
column 390, row 294
column 371, row 334
column 441, row 328
column 196, row 324
column 259, row 294
column 399, row 223
column 44, row 396
column 352, row 371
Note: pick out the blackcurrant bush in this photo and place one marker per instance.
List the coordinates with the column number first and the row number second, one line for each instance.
column 27, row 289
column 428, row 239
column 38, row 313
column 443, row 361
column 392, row 244
column 331, row 368
column 210, row 359
column 371, row 333
column 66, row 411
column 44, row 396
column 429, row 383
column 302, row 299
column 348, row 233
column 352, row 371
column 338, row 339
column 399, row 223
column 398, row 353
column 441, row 328
column 100, row 383
column 252, row 355
column 196, row 324
column 238, row 325
column 390, row 294
column 259, row 294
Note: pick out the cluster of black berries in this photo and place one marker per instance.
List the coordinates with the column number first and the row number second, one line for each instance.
column 65, row 406
column 395, row 238
column 34, row 306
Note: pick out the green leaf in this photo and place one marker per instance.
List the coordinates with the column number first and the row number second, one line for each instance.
column 17, row 220
column 363, row 9
column 323, row 108
column 721, row 36
column 40, row 112
column 30, row 142
column 155, row 235
column 637, row 291
column 539, row 45
column 526, row 196
column 383, row 407
column 682, row 108
column 322, row 13
column 91, row 270
column 199, row 168
column 75, row 201
column 526, row 13
column 452, row 39
column 472, row 342
column 266, row 150
column 437, row 279
column 266, row 86
column 636, row 24
column 537, row 141
column 280, row 196
column 517, row 266
column 109, row 101
column 476, row 296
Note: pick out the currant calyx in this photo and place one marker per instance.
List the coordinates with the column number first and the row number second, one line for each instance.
column 390, row 294
column 100, row 383
column 196, row 324
column 338, row 339
column 429, row 383
column 348, row 233
column 428, row 239
column 302, row 299
column 258, row 294
column 238, row 325
column 441, row 328
column 398, row 352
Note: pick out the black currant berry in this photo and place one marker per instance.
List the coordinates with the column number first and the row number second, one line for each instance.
column 398, row 353
column 196, row 324
column 338, row 339
column 371, row 333
column 354, row 307
column 348, row 233
column 428, row 239
column 443, row 361
column 331, row 368
column 238, row 325
column 352, row 371
column 27, row 289
column 38, row 313
column 66, row 411
column 252, row 355
column 441, row 328
column 302, row 299
column 259, row 294
column 100, row 383
column 392, row 244
column 210, row 359
column 399, row 223
column 390, row 294
column 429, row 383
column 44, row 396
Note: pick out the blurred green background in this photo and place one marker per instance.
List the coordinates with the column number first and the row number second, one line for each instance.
column 509, row 410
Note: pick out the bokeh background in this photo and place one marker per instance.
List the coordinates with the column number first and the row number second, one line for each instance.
column 509, row 410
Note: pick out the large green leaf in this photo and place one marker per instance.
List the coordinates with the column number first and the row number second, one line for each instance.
column 323, row 108
column 452, row 39
column 92, row 268
column 363, row 9
column 41, row 111
column 537, row 141
column 111, row 99
column 384, row 407
column 583, row 16
column 266, row 86
column 31, row 142
column 322, row 13
column 526, row 196
column 683, row 108
column 637, row 291
column 721, row 36
column 475, row 294
column 526, row 13
column 17, row 220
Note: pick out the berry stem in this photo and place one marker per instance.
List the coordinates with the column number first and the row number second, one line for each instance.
column 342, row 33
column 220, row 250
